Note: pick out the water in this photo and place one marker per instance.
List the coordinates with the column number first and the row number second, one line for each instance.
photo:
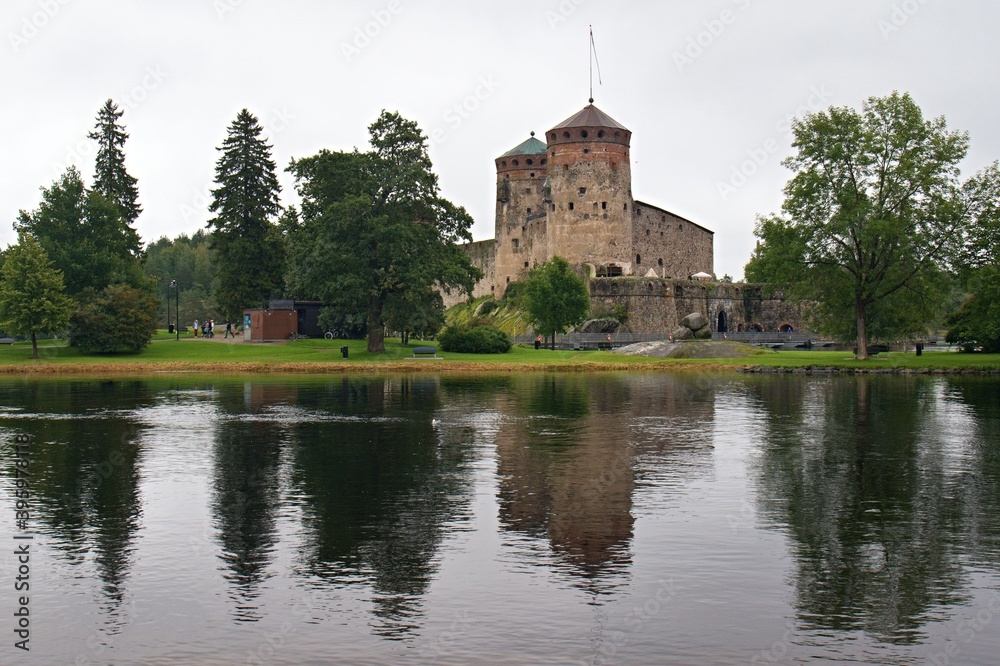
column 564, row 519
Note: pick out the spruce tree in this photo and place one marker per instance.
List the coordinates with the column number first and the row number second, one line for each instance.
column 110, row 177
column 246, row 241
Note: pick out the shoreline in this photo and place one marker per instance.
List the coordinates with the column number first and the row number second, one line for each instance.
column 456, row 367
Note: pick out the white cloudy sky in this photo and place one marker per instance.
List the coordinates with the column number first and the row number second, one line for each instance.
column 704, row 86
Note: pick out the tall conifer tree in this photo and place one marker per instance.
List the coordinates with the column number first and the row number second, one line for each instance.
column 110, row 177
column 245, row 238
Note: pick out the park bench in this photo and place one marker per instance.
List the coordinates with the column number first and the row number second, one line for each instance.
column 6, row 341
column 425, row 352
column 874, row 350
column 604, row 346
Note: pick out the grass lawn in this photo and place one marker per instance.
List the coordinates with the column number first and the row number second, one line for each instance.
column 167, row 353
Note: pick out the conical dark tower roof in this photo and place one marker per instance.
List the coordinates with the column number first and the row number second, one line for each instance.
column 590, row 116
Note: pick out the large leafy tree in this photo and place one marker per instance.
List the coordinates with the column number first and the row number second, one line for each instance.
column 977, row 323
column 373, row 228
column 555, row 297
column 870, row 219
column 247, row 243
column 110, row 176
column 84, row 235
column 32, row 294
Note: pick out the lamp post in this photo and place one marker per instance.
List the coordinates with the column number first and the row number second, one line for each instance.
column 177, row 306
column 168, row 307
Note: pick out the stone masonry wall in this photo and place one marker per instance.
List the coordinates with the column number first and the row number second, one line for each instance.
column 656, row 305
column 669, row 244
column 483, row 257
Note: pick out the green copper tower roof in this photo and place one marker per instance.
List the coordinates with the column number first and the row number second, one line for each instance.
column 530, row 147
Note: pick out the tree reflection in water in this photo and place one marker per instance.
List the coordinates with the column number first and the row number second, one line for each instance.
column 870, row 477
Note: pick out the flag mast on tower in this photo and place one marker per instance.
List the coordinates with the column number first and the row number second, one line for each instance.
column 593, row 59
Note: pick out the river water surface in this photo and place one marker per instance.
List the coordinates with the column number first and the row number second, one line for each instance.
column 558, row 519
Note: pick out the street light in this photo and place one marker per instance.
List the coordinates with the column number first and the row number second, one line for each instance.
column 177, row 306
column 168, row 307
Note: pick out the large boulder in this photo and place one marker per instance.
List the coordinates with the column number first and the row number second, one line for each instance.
column 599, row 325
column 703, row 333
column 695, row 321
column 683, row 333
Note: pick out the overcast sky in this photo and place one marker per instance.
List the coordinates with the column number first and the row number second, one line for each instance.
column 706, row 87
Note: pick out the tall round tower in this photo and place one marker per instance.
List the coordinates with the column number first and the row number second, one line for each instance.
column 591, row 207
column 521, row 207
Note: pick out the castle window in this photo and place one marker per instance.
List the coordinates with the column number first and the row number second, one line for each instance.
column 565, row 167
column 515, row 163
column 604, row 205
column 529, row 162
column 553, row 152
column 508, row 279
column 586, row 151
column 571, row 205
column 532, row 174
column 626, row 207
column 527, row 190
column 614, row 166
column 565, row 135
column 647, row 232
column 584, row 134
column 523, row 228
column 659, row 262
column 680, row 227
column 544, row 161
column 600, row 135
column 583, row 190
column 526, row 264
column 529, row 211
column 618, row 135
column 553, row 136
column 638, row 260
column 553, row 206
column 504, row 163
column 516, row 242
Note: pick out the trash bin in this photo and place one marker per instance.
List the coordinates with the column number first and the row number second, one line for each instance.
column 343, row 351
column 920, row 348
column 537, row 344
column 170, row 328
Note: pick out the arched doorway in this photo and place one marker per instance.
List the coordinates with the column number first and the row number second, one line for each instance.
column 723, row 327
column 756, row 328
column 786, row 328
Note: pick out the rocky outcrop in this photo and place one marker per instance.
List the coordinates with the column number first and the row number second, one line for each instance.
column 695, row 325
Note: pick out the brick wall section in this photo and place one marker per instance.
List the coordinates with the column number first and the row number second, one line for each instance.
column 671, row 245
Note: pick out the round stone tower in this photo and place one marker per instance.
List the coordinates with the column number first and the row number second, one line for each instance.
column 591, row 206
column 521, row 212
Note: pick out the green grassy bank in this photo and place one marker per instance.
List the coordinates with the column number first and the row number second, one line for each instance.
column 188, row 354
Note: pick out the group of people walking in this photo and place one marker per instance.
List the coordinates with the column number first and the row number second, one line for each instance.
column 207, row 329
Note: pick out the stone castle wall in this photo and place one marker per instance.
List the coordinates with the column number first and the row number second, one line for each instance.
column 672, row 246
column 657, row 305
column 483, row 256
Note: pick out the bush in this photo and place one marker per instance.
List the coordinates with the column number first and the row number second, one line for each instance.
column 474, row 340
column 117, row 320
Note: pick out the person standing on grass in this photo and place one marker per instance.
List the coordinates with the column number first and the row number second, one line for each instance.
column 229, row 330
column 196, row 328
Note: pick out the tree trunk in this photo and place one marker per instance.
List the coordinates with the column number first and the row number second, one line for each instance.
column 859, row 311
column 34, row 345
column 553, row 341
column 376, row 333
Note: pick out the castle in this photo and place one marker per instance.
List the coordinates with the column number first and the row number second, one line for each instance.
column 572, row 197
